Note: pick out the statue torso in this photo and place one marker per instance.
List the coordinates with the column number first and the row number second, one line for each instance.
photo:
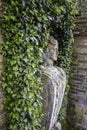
column 54, row 82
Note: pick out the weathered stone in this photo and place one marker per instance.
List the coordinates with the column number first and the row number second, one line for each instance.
column 1, row 94
column 1, row 8
column 1, row 65
column 77, row 97
column 2, row 111
column 57, row 126
column 1, row 59
column 54, row 82
column 81, row 22
column 2, row 119
column 1, row 108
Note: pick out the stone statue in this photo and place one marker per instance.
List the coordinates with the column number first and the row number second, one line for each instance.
column 54, row 83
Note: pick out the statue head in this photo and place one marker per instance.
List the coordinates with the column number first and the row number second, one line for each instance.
column 51, row 50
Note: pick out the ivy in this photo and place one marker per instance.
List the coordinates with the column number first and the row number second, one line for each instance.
column 64, row 34
column 22, row 50
column 26, row 25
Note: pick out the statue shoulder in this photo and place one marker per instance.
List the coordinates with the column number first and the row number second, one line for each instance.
column 55, row 73
column 61, row 73
column 49, row 71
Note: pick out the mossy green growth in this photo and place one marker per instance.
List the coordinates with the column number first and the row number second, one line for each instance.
column 26, row 25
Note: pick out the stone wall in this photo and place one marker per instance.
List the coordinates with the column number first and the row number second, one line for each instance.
column 81, row 21
column 77, row 97
column 2, row 112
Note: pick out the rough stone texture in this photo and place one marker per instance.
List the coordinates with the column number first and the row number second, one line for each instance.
column 1, row 8
column 54, row 82
column 81, row 21
column 77, row 98
column 2, row 111
column 58, row 126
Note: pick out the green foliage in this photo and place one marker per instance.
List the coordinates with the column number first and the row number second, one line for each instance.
column 62, row 30
column 26, row 25
column 22, row 28
column 64, row 34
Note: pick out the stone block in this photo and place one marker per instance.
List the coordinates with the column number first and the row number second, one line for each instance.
column 1, row 93
column 1, row 58
column 1, row 38
column 2, row 119
column 1, row 100
column 1, row 108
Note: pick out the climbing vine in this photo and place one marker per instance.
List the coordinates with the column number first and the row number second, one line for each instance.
column 64, row 34
column 26, row 25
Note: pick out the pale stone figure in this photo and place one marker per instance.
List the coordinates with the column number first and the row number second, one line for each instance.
column 54, row 83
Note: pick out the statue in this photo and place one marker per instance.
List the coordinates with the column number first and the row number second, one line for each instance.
column 54, row 83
